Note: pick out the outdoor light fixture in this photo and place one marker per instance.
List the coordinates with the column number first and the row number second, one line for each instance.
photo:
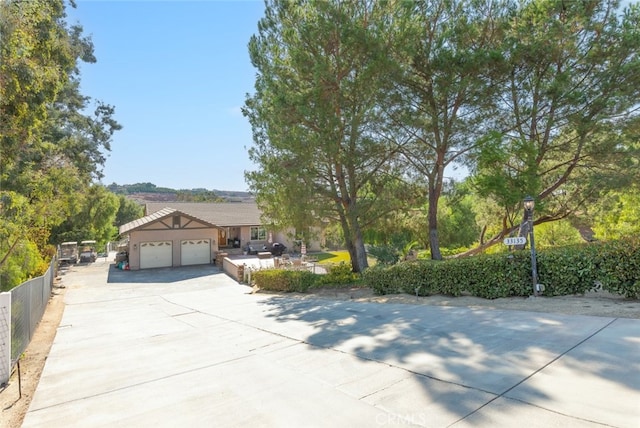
column 529, row 204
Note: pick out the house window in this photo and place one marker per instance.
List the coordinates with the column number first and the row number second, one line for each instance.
column 176, row 221
column 258, row 233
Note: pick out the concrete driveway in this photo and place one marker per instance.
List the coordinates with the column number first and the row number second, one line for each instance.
column 191, row 347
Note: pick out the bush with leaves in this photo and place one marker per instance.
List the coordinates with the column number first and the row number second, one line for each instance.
column 384, row 254
column 398, row 250
column 563, row 271
column 284, row 280
column 382, row 280
column 618, row 267
column 568, row 270
column 338, row 274
column 26, row 263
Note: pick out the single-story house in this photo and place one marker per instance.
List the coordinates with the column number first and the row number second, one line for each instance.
column 169, row 237
column 184, row 233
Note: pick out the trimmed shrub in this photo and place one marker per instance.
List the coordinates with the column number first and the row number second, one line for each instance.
column 284, row 280
column 338, row 274
column 381, row 279
column 569, row 270
column 563, row 271
column 618, row 265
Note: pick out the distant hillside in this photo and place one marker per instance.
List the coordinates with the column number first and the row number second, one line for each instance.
column 149, row 192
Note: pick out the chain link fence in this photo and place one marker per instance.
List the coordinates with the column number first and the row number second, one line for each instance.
column 28, row 303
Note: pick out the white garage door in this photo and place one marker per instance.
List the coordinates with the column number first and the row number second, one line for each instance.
column 195, row 252
column 155, row 254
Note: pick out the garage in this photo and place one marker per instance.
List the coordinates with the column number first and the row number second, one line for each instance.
column 169, row 238
column 155, row 254
column 195, row 252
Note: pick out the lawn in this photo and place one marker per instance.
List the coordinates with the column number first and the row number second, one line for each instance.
column 337, row 257
column 332, row 257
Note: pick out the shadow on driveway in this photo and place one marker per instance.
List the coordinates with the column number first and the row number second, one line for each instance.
column 496, row 352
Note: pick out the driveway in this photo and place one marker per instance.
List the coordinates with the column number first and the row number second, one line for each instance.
column 191, row 347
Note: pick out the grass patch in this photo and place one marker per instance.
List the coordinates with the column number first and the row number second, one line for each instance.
column 337, row 257
column 332, row 257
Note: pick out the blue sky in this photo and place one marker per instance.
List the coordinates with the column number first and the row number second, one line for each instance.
column 177, row 73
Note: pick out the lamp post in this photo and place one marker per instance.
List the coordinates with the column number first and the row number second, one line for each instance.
column 529, row 204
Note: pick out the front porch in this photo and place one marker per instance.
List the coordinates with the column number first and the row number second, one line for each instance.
column 230, row 238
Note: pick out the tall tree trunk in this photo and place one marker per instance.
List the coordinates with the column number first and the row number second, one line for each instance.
column 354, row 240
column 435, row 189
column 360, row 254
column 434, row 243
column 348, row 242
column 353, row 255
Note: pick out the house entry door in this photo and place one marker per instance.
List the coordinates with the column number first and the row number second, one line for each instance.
column 222, row 237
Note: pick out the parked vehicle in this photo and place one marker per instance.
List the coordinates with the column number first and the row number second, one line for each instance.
column 88, row 252
column 68, row 253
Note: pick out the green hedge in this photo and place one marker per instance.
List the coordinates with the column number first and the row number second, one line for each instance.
column 284, row 280
column 338, row 274
column 485, row 276
column 563, row 271
column 619, row 263
column 302, row 280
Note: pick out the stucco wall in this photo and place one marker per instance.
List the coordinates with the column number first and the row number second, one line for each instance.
column 280, row 236
column 283, row 238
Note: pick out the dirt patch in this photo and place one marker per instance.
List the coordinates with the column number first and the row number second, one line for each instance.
column 13, row 407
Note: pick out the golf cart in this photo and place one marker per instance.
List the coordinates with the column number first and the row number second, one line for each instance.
column 88, row 252
column 68, row 253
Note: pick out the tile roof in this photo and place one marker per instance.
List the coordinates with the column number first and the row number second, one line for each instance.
column 146, row 220
column 223, row 214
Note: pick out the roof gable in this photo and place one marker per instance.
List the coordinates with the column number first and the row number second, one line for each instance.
column 158, row 217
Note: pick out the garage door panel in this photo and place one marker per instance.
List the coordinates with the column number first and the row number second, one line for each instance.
column 156, row 254
column 195, row 252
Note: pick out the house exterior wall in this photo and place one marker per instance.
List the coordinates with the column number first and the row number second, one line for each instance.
column 278, row 236
column 245, row 236
column 283, row 237
column 173, row 235
column 176, row 226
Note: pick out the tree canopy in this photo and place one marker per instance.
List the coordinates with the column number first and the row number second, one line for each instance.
column 319, row 118
column 52, row 148
column 359, row 105
column 446, row 94
column 566, row 103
